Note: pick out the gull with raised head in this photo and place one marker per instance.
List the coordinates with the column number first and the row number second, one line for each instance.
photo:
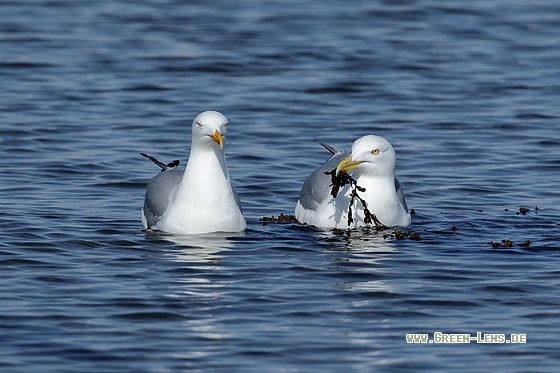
column 372, row 164
column 199, row 199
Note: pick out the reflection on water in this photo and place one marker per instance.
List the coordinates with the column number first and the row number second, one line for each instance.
column 199, row 247
column 364, row 255
column 366, row 241
column 208, row 329
column 462, row 89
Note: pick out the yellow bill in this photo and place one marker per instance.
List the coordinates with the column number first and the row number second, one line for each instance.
column 217, row 138
column 347, row 165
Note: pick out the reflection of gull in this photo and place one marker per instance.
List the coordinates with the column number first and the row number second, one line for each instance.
column 364, row 252
column 359, row 241
column 201, row 247
column 372, row 163
column 200, row 199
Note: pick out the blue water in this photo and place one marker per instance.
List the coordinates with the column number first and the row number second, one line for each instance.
column 467, row 92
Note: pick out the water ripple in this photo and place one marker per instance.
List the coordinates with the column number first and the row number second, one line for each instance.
column 463, row 90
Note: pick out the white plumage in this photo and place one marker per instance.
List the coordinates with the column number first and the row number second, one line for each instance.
column 372, row 163
column 200, row 199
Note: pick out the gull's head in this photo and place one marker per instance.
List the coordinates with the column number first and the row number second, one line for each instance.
column 210, row 128
column 371, row 155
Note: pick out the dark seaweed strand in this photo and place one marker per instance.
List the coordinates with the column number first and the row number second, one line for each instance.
column 340, row 180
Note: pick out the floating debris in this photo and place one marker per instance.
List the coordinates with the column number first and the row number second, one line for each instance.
column 403, row 234
column 398, row 235
column 415, row 236
column 362, row 231
column 281, row 219
column 509, row 243
column 340, row 232
column 523, row 211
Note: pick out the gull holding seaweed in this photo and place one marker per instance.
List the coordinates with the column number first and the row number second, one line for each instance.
column 201, row 198
column 361, row 190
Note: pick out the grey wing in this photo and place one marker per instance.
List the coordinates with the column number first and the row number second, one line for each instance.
column 400, row 194
column 316, row 189
column 158, row 194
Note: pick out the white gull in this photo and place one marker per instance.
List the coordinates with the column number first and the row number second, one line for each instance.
column 372, row 163
column 201, row 198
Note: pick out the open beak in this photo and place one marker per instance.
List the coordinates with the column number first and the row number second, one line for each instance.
column 217, row 138
column 347, row 165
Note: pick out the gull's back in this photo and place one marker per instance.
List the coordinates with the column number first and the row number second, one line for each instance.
column 159, row 194
column 315, row 189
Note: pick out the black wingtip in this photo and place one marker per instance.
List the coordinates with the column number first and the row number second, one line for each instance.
column 328, row 147
column 175, row 163
column 161, row 165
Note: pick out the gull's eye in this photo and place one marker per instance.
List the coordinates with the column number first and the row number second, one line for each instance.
column 225, row 125
column 375, row 152
column 199, row 124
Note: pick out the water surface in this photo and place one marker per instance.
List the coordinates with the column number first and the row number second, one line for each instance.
column 466, row 92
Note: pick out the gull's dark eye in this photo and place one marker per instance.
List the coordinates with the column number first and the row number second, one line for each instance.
column 225, row 125
column 199, row 124
column 375, row 152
